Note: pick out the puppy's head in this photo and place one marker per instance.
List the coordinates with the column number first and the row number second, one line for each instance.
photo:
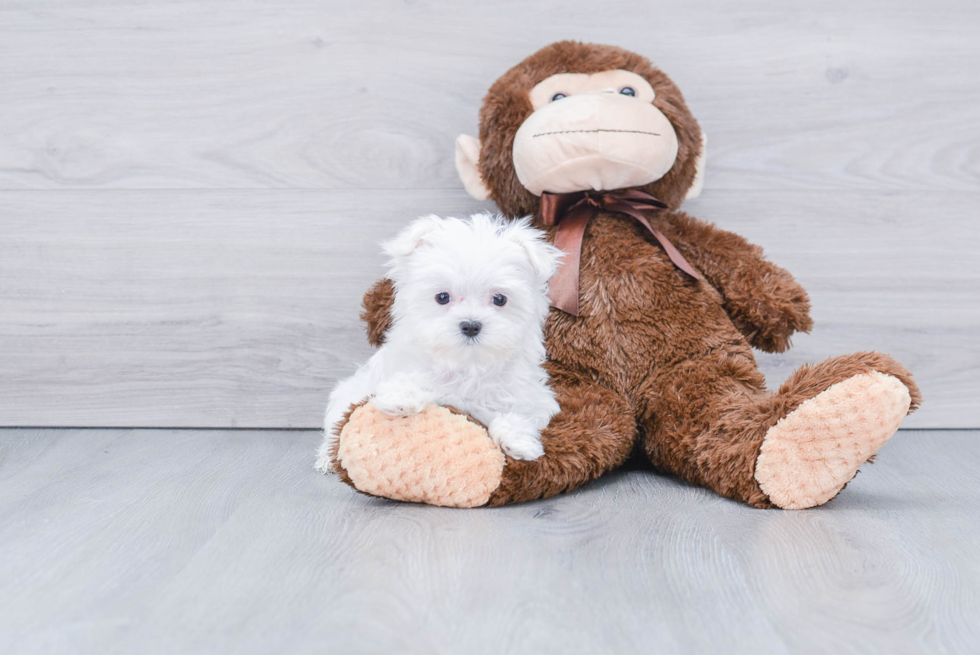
column 471, row 292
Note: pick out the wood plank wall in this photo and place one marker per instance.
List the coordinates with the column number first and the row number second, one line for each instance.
column 191, row 193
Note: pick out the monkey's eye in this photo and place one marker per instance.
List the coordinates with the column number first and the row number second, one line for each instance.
column 500, row 300
column 628, row 91
column 443, row 298
column 558, row 96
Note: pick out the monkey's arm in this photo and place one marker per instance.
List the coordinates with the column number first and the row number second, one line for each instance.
column 377, row 310
column 763, row 300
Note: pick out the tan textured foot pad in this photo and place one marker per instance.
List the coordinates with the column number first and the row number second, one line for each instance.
column 435, row 457
column 813, row 452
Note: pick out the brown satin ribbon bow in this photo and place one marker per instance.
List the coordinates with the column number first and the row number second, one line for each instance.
column 571, row 212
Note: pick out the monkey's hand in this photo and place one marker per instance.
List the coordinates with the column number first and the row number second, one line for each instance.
column 767, row 305
column 763, row 300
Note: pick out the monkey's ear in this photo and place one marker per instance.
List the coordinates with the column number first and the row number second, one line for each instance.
column 698, row 182
column 467, row 157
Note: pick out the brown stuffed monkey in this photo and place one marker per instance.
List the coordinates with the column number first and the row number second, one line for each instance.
column 656, row 313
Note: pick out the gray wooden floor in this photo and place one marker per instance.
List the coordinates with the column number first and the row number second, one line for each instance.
column 184, row 541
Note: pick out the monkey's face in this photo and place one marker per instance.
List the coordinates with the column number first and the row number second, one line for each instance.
column 593, row 132
column 578, row 117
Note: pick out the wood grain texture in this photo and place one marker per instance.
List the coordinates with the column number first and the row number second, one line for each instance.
column 193, row 541
column 239, row 309
column 300, row 93
column 192, row 192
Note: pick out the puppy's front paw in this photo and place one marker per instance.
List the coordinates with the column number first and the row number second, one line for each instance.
column 404, row 402
column 516, row 437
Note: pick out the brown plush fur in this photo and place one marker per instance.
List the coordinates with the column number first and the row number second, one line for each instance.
column 655, row 354
column 335, row 446
column 377, row 310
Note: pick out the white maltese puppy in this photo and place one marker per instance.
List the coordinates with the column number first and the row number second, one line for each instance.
column 470, row 304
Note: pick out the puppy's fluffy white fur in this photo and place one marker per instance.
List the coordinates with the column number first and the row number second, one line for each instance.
column 496, row 376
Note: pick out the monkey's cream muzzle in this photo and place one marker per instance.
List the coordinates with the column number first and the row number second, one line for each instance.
column 594, row 138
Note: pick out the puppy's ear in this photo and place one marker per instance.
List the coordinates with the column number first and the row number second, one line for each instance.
column 542, row 256
column 409, row 240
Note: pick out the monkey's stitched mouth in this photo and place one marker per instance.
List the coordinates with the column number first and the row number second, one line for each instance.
column 592, row 131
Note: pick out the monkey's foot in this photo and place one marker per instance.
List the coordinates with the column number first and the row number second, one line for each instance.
column 809, row 455
column 436, row 456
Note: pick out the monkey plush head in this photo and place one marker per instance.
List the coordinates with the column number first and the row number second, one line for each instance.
column 579, row 117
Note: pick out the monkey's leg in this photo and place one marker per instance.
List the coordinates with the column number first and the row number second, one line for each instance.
column 444, row 458
column 592, row 434
column 710, row 421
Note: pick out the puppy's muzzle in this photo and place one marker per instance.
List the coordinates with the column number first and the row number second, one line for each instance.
column 470, row 328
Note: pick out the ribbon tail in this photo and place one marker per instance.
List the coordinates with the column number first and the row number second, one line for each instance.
column 672, row 252
column 563, row 288
column 675, row 254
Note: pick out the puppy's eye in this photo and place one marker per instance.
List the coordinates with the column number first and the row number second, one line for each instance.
column 558, row 96
column 500, row 300
column 628, row 91
column 443, row 298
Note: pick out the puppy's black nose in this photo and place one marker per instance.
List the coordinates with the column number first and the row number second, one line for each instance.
column 471, row 328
